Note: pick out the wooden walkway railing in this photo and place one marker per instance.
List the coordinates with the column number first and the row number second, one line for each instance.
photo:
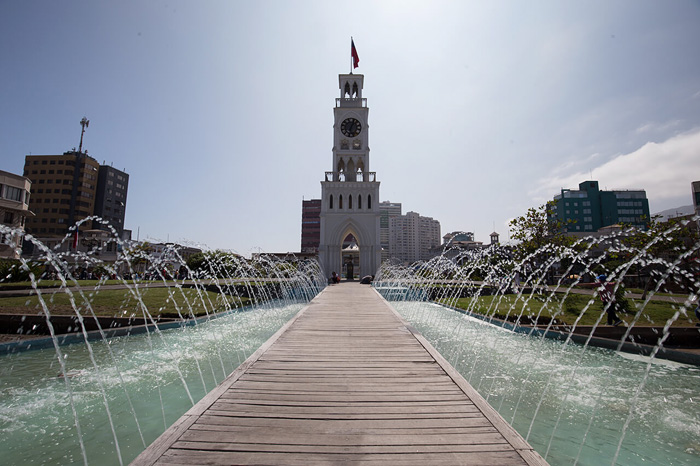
column 347, row 381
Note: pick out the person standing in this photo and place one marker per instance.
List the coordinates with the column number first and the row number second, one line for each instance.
column 606, row 291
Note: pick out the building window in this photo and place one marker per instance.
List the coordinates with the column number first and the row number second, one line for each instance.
column 9, row 218
column 359, row 201
column 340, row 201
column 13, row 194
column 331, row 202
column 356, row 144
column 350, row 201
column 369, row 201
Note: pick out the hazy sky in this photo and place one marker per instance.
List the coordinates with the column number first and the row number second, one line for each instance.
column 221, row 111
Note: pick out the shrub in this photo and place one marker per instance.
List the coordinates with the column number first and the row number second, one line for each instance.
column 11, row 270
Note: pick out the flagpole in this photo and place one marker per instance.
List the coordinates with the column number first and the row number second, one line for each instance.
column 351, row 55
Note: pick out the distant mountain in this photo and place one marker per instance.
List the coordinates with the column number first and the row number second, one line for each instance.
column 675, row 212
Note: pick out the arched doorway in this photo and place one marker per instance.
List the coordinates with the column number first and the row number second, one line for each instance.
column 350, row 251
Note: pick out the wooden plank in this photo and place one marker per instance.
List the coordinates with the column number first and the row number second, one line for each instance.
column 354, row 449
column 344, row 425
column 300, row 438
column 478, row 458
column 347, row 381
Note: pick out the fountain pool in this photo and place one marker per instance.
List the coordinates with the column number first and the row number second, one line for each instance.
column 150, row 382
column 573, row 404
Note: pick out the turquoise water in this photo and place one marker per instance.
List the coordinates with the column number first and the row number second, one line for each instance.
column 572, row 404
column 145, row 383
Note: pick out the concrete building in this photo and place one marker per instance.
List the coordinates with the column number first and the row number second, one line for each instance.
column 110, row 198
column 463, row 240
column 588, row 208
column 387, row 210
column 350, row 192
column 310, row 226
column 70, row 187
column 63, row 191
column 14, row 209
column 411, row 237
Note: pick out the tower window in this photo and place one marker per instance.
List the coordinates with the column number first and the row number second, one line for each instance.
column 356, row 144
column 331, row 202
column 350, row 201
column 347, row 89
column 340, row 201
column 344, row 144
column 355, row 92
column 369, row 201
column 359, row 201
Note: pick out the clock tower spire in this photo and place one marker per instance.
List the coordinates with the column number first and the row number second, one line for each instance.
column 350, row 192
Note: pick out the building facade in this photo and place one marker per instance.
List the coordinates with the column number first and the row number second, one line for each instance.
column 695, row 191
column 70, row 187
column 14, row 209
column 387, row 210
column 310, row 226
column 412, row 237
column 350, row 192
column 110, row 198
column 587, row 209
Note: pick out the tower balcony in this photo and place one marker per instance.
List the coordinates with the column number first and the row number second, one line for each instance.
column 358, row 177
column 350, row 102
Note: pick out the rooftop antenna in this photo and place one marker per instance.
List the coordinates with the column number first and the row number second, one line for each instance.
column 84, row 123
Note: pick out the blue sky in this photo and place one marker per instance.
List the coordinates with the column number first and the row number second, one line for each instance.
column 221, row 111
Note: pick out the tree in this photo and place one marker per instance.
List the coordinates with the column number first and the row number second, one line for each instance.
column 674, row 241
column 537, row 228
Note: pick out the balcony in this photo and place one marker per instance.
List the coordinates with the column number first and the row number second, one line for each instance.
column 358, row 177
column 350, row 102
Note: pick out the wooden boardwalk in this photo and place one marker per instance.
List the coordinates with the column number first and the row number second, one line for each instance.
column 346, row 381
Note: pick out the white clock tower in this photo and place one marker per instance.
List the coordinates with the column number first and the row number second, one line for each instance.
column 350, row 193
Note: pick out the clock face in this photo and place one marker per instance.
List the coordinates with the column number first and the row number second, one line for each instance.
column 350, row 127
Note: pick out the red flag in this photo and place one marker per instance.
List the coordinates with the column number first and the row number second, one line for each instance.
column 75, row 240
column 353, row 53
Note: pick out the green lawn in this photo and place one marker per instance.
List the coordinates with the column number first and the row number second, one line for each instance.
column 656, row 313
column 122, row 303
column 57, row 283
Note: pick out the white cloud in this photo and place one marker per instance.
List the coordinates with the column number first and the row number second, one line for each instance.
column 663, row 169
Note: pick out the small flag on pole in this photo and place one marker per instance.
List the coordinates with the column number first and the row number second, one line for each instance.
column 353, row 53
column 75, row 239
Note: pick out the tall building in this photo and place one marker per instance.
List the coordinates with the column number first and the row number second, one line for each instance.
column 68, row 188
column 14, row 209
column 412, row 237
column 695, row 189
column 587, row 208
column 310, row 225
column 63, row 191
column 387, row 210
column 350, row 192
column 110, row 199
